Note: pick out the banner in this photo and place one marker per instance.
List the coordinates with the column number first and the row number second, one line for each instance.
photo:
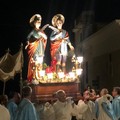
column 10, row 65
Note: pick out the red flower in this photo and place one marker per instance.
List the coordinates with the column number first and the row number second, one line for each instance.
column 53, row 62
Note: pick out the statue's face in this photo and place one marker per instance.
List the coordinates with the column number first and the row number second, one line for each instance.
column 59, row 24
column 37, row 24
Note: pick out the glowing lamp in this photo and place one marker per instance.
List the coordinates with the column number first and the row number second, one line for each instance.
column 50, row 75
column 39, row 59
column 79, row 71
column 42, row 73
column 61, row 74
column 72, row 75
column 80, row 59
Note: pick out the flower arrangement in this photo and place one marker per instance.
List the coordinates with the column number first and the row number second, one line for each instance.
column 48, row 74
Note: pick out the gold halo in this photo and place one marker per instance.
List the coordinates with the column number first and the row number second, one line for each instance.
column 55, row 18
column 32, row 19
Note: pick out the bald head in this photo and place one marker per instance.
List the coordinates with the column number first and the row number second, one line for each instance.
column 104, row 91
column 61, row 95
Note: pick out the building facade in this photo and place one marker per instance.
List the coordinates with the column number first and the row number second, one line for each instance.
column 101, row 52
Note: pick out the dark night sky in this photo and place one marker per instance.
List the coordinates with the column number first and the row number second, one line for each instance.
column 14, row 18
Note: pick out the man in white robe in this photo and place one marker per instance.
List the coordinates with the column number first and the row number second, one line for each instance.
column 39, row 106
column 86, row 108
column 4, row 113
column 103, row 107
column 48, row 112
column 63, row 107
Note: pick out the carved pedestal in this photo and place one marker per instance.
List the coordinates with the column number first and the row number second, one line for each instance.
column 45, row 92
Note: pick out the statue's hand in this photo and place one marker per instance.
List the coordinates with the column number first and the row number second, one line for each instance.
column 45, row 26
column 26, row 47
column 71, row 47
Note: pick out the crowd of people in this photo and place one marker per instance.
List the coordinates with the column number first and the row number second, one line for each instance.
column 91, row 106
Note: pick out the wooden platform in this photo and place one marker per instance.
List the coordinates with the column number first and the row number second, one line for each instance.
column 45, row 92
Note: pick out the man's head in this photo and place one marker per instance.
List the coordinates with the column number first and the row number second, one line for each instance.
column 17, row 97
column 26, row 91
column 86, row 95
column 61, row 95
column 4, row 100
column 116, row 91
column 104, row 91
